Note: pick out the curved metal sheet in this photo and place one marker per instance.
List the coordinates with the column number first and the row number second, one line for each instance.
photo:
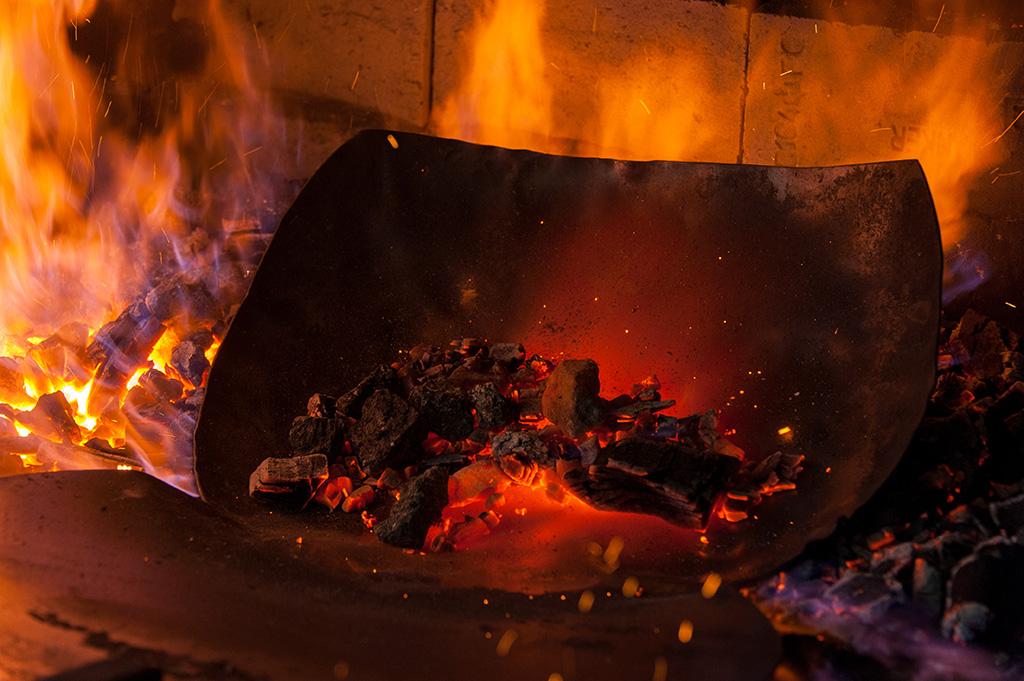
column 122, row 562
column 806, row 298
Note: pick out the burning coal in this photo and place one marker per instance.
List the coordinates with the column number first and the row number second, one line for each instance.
column 446, row 432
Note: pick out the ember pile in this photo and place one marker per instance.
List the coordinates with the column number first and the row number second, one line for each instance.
column 452, row 428
column 939, row 550
column 126, row 395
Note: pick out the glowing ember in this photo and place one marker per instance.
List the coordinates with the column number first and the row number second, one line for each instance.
column 444, row 435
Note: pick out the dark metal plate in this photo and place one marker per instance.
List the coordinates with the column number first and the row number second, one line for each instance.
column 800, row 298
column 126, row 564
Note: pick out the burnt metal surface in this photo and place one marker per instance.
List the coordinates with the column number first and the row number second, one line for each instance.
column 130, row 566
column 800, row 298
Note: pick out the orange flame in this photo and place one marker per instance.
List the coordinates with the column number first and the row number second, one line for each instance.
column 113, row 173
column 933, row 98
column 504, row 98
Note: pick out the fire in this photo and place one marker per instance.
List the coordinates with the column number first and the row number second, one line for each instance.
column 505, row 97
column 829, row 94
column 112, row 181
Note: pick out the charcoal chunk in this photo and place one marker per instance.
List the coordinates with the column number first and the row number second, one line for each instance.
column 161, row 386
column 571, row 397
column 446, row 407
column 493, row 410
column 11, row 464
column 965, row 622
column 1009, row 514
column 521, row 455
column 189, row 359
column 389, row 433
column 664, row 479
column 351, row 403
column 980, row 344
column 865, row 595
column 289, row 481
column 126, row 341
column 117, row 350
column 12, row 381
column 193, row 401
column 510, row 355
column 927, row 587
column 184, row 294
column 311, row 435
column 991, row 576
column 1004, row 430
column 523, row 442
column 321, row 406
column 419, row 505
column 62, row 354
column 634, row 409
column 52, row 416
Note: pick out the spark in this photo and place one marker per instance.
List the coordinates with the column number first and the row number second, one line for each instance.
column 710, row 587
column 206, row 101
column 685, row 631
column 611, row 554
column 594, row 29
column 1016, row 172
column 644, row 106
column 285, row 31
column 786, row 73
column 392, row 141
column 256, row 32
column 785, row 430
column 354, row 81
column 505, row 644
column 49, row 84
column 941, row 12
column 586, row 601
column 124, row 57
column 660, row 669
column 252, row 151
column 630, row 587
column 1011, row 305
column 993, row 141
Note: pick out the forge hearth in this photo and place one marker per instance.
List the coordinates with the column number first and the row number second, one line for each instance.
column 402, row 237
column 792, row 286
column 505, row 255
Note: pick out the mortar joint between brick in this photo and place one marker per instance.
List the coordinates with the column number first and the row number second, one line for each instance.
column 431, row 58
column 746, row 89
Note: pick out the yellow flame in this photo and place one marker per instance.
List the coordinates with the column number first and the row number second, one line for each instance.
column 938, row 99
column 504, row 96
column 91, row 207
